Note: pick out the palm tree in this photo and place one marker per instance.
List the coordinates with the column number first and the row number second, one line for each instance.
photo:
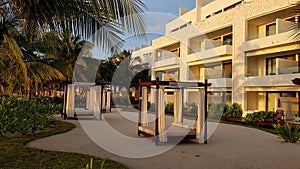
column 82, row 17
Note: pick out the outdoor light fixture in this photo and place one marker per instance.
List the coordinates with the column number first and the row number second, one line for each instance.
column 296, row 81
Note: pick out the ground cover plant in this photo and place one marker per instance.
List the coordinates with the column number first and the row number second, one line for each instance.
column 15, row 154
column 288, row 132
column 260, row 116
column 22, row 116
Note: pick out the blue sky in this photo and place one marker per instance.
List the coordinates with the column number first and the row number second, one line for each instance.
column 168, row 6
column 159, row 13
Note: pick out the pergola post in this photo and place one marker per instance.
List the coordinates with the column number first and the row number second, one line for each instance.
column 156, row 113
column 205, row 110
column 64, row 111
column 108, row 100
column 101, row 100
column 140, row 107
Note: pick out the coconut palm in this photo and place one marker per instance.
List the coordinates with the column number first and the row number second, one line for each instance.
column 109, row 18
column 35, row 18
column 294, row 28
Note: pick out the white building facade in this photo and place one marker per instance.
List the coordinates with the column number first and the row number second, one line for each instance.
column 242, row 47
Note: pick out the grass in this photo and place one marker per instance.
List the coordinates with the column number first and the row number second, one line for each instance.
column 14, row 153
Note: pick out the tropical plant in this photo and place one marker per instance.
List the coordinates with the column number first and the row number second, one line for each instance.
column 84, row 18
column 169, row 108
column 288, row 132
column 90, row 164
column 234, row 111
column 25, row 25
column 260, row 116
column 17, row 115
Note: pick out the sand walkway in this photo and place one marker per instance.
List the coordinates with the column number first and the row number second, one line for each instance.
column 230, row 147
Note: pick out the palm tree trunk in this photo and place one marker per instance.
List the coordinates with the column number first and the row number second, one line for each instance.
column 29, row 93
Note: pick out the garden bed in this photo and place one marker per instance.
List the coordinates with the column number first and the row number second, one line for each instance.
column 14, row 153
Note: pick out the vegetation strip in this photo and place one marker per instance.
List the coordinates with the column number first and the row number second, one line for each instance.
column 14, row 153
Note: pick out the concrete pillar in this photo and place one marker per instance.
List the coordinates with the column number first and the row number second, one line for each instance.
column 198, row 10
column 239, row 62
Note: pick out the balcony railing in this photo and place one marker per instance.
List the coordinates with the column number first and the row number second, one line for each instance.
column 282, row 67
column 166, row 55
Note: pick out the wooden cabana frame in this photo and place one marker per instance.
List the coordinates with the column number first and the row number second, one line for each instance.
column 170, row 85
column 100, row 96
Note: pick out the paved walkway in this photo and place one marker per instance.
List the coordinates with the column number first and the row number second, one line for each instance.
column 230, row 147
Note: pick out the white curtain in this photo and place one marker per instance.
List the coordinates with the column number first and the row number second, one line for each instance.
column 178, row 106
column 200, row 119
column 97, row 101
column 108, row 100
column 144, row 116
column 87, row 106
column 91, row 98
column 103, row 99
column 70, row 101
column 161, row 116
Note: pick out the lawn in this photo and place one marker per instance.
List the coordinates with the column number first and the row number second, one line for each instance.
column 14, row 153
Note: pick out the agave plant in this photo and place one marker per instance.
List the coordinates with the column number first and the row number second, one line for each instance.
column 288, row 132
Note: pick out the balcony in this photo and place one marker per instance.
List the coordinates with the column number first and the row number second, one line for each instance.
column 269, row 81
column 170, row 61
column 268, row 39
column 220, row 82
column 281, row 74
column 210, row 51
column 280, row 67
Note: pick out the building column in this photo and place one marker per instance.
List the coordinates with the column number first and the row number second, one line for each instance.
column 239, row 63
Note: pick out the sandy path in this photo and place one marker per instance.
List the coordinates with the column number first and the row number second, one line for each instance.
column 231, row 147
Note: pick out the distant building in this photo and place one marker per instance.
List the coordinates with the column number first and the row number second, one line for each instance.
column 242, row 47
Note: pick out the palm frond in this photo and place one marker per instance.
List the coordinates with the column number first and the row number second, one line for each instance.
column 43, row 72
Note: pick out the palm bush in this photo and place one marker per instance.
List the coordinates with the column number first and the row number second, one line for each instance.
column 288, row 132
column 261, row 116
column 17, row 115
column 234, row 111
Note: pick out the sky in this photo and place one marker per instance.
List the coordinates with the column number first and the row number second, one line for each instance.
column 168, row 6
column 159, row 13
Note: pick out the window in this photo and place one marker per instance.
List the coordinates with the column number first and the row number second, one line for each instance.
column 227, row 70
column 271, row 29
column 271, row 66
column 159, row 56
column 213, row 72
column 271, row 63
column 227, row 40
column 194, row 72
column 271, row 97
column 220, row 11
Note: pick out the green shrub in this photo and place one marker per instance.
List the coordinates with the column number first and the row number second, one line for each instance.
column 216, row 110
column 194, row 108
column 287, row 132
column 260, row 116
column 169, row 108
column 17, row 115
column 234, row 111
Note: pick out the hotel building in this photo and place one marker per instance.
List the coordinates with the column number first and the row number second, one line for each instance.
column 243, row 47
